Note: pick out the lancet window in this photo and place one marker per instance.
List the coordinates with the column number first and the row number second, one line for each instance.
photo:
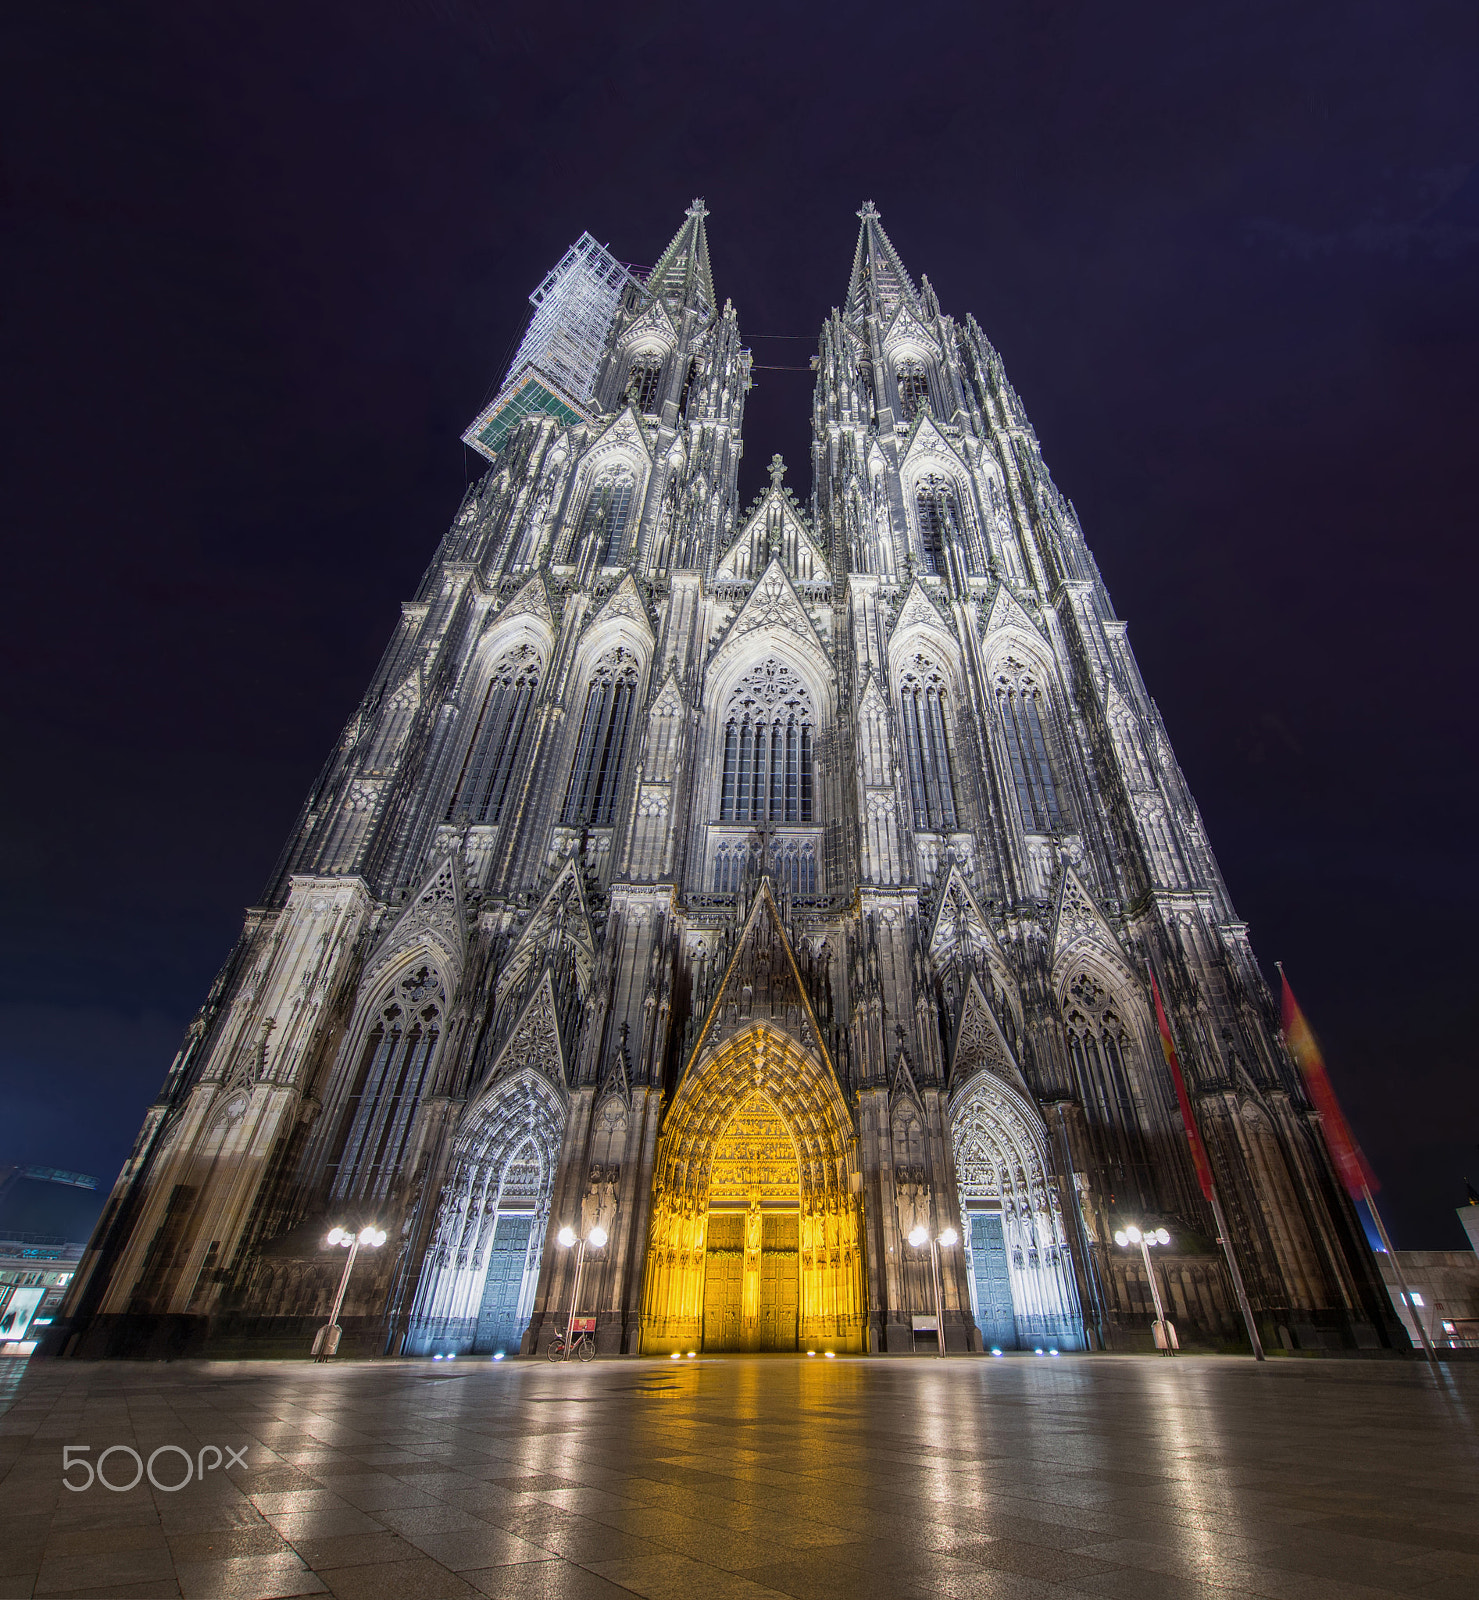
column 914, row 389
column 394, row 1065
column 939, row 520
column 769, row 734
column 793, row 864
column 498, row 735
column 1019, row 706
column 688, row 379
column 595, row 779
column 1100, row 1049
column 607, row 512
column 644, row 382
column 924, row 706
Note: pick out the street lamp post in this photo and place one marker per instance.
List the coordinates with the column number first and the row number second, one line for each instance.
column 326, row 1340
column 920, row 1237
column 566, row 1237
column 1150, row 1236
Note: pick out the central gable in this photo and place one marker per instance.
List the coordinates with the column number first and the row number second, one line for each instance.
column 774, row 528
column 762, row 981
column 773, row 605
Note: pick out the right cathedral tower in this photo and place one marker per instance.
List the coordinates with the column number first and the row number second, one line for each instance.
column 743, row 892
column 1026, row 846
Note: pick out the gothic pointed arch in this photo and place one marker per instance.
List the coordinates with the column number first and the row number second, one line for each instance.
column 387, row 1063
column 1080, row 927
column 773, row 605
column 907, row 334
column 502, row 717
column 610, row 668
column 1022, row 1285
column 768, row 727
column 530, row 601
column 433, row 923
column 1007, row 613
column 927, row 447
column 608, row 491
column 762, row 977
column 651, row 325
column 624, row 604
column 1027, row 738
column 927, row 694
column 477, row 1279
column 903, row 1087
column 760, row 1068
column 919, row 613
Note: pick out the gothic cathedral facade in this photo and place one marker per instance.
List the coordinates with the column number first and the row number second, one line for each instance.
column 743, row 891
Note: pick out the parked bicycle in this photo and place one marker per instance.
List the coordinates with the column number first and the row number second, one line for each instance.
column 582, row 1346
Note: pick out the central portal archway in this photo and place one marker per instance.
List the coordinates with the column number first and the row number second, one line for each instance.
column 756, row 1237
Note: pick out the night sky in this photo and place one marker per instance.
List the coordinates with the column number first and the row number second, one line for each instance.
column 263, row 262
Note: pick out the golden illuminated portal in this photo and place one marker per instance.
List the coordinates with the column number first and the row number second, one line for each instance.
column 751, row 1278
column 756, row 1232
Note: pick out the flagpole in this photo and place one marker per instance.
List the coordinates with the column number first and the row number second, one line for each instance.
column 1237, row 1277
column 1402, row 1288
column 1340, row 1143
column 1203, row 1164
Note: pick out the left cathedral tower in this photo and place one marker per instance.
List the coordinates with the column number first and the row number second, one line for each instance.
column 418, row 1026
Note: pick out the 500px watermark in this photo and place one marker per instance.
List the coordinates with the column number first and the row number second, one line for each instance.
column 195, row 1466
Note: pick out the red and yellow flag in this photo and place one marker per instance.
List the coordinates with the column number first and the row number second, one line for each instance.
column 1193, row 1135
column 1350, row 1163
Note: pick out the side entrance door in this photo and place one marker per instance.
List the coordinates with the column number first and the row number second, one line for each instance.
column 498, row 1317
column 993, row 1282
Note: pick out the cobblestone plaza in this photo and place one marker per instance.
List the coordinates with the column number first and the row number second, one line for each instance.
column 1022, row 1477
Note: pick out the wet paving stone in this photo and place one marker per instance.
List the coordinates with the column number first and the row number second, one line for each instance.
column 743, row 1476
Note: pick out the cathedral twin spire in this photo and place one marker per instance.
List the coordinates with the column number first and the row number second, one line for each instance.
column 879, row 283
column 683, row 275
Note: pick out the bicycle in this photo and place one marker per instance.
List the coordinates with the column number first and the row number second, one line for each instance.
column 583, row 1346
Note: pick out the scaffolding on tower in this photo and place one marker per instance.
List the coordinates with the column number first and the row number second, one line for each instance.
column 554, row 370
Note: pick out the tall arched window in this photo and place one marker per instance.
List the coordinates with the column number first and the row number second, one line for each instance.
column 914, row 389
column 644, row 382
column 1019, row 705
column 939, row 520
column 769, row 731
column 492, row 752
column 596, row 777
column 607, row 512
column 924, row 705
column 388, row 1083
column 1101, row 1049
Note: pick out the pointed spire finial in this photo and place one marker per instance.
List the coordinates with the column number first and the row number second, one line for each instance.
column 879, row 281
column 683, row 270
column 777, row 471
